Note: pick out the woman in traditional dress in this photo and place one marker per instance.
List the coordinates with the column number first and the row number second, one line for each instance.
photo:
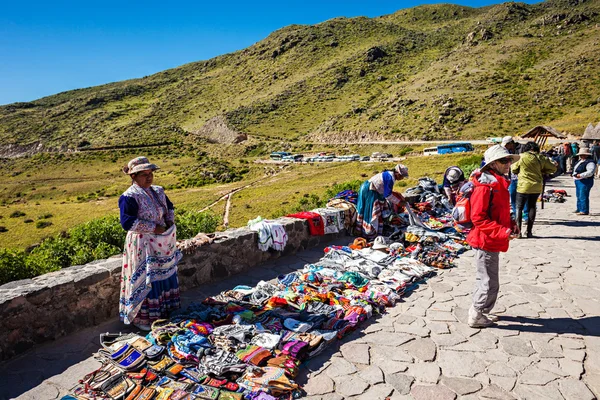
column 373, row 199
column 149, row 284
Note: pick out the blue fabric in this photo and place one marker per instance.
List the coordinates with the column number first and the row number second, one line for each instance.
column 512, row 189
column 366, row 198
column 582, row 190
column 388, row 183
column 581, row 168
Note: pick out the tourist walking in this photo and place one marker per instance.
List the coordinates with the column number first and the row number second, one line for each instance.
column 373, row 199
column 531, row 169
column 513, row 148
column 491, row 232
column 149, row 284
column 583, row 175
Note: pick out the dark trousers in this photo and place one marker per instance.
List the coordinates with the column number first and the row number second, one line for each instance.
column 529, row 200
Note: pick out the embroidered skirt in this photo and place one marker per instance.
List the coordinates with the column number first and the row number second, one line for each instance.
column 149, row 284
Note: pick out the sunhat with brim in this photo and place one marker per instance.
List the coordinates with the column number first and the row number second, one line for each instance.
column 402, row 170
column 139, row 164
column 584, row 152
column 497, row 152
column 380, row 243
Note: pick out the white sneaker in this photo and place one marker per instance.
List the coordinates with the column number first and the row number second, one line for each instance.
column 478, row 320
column 492, row 317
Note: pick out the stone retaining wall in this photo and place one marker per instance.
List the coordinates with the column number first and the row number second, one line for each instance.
column 44, row 308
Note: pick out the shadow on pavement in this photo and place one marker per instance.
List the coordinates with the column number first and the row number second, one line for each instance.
column 589, row 326
column 52, row 359
column 577, row 224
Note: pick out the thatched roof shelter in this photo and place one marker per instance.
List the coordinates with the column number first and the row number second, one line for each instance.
column 592, row 132
column 541, row 133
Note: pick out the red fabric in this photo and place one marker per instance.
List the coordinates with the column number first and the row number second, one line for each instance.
column 316, row 226
column 491, row 228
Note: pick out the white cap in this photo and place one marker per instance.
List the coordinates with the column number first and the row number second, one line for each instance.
column 506, row 140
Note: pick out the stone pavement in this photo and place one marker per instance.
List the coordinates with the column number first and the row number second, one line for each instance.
column 547, row 344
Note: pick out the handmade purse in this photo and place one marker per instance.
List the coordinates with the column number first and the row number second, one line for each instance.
column 206, row 392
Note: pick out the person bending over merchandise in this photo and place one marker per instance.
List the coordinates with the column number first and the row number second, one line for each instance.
column 149, row 284
column 373, row 198
column 583, row 174
column 454, row 179
column 531, row 169
column 491, row 232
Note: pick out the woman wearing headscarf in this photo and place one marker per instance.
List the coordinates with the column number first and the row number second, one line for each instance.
column 373, row 199
column 149, row 284
column 531, row 168
column 491, row 232
column 454, row 179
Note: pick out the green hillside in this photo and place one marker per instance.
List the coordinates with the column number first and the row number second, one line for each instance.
column 437, row 71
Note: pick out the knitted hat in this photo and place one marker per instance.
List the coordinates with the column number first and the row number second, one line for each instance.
column 402, row 170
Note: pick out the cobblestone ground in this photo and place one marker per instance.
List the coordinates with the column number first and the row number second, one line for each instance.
column 546, row 345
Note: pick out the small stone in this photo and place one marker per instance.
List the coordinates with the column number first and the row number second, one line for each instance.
column 442, row 316
column 567, row 343
column 390, row 352
column 381, row 391
column 411, row 329
column 437, row 392
column 461, row 386
column 439, row 328
column 575, row 355
column 372, row 375
column 423, row 349
column 400, row 382
column 451, row 339
column 500, row 369
column 356, row 353
column 424, row 372
column 319, row 384
column 546, row 350
column 571, row 368
column 340, row 367
column 495, row 392
column 350, row 385
column 516, row 346
column 536, row 376
column 506, row 383
column 460, row 363
column 549, row 391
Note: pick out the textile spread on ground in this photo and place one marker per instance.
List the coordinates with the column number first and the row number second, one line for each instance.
column 249, row 342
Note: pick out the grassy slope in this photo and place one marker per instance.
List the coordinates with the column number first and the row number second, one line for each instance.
column 316, row 80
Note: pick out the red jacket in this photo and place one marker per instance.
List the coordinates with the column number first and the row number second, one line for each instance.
column 492, row 224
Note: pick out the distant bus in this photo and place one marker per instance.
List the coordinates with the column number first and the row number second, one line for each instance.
column 455, row 148
column 448, row 148
column 430, row 151
column 278, row 155
column 292, row 158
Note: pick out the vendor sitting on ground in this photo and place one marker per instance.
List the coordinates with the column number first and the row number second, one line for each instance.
column 454, row 179
column 373, row 199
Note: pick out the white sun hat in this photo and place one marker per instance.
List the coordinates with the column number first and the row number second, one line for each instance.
column 497, row 152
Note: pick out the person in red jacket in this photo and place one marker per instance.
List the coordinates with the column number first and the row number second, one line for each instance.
column 492, row 230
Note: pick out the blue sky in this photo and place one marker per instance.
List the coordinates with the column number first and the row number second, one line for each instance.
column 49, row 47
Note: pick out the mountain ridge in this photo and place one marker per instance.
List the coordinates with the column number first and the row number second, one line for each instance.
column 434, row 71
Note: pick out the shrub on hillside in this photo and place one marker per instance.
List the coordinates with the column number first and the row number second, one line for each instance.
column 94, row 240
